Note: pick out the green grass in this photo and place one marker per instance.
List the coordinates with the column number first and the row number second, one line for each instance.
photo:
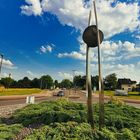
column 19, row 91
column 131, row 95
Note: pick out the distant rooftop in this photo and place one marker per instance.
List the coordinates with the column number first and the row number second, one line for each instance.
column 126, row 81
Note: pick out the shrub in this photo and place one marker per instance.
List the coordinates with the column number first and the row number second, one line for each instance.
column 126, row 134
column 67, row 120
column 49, row 112
column 63, row 131
column 8, row 132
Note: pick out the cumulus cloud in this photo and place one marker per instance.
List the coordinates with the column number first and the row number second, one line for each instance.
column 111, row 51
column 7, row 64
column 122, row 70
column 30, row 73
column 65, row 75
column 33, row 7
column 46, row 48
column 74, row 54
column 75, row 13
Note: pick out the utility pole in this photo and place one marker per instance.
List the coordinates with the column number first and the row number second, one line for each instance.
column 101, row 88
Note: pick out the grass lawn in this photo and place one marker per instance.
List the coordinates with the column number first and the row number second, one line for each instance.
column 19, row 91
column 131, row 95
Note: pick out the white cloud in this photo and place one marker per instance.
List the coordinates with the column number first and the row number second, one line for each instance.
column 111, row 51
column 65, row 75
column 45, row 49
column 131, row 71
column 79, row 73
column 7, row 64
column 33, row 8
column 31, row 74
column 74, row 54
column 5, row 74
column 75, row 13
column 138, row 37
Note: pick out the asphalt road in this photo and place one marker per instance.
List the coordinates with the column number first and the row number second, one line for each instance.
column 23, row 101
column 82, row 99
column 49, row 97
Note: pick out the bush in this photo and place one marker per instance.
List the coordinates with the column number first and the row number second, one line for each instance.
column 66, row 120
column 126, row 134
column 49, row 112
column 8, row 132
column 63, row 131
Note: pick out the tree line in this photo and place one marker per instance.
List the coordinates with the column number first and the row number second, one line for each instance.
column 44, row 82
column 47, row 82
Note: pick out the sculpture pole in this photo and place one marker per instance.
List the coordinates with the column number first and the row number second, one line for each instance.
column 88, row 83
column 101, row 88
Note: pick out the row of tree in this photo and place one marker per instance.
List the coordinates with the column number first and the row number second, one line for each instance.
column 46, row 82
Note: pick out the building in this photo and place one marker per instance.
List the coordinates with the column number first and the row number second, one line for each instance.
column 126, row 84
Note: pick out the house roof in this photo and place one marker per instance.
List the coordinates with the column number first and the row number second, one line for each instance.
column 126, row 81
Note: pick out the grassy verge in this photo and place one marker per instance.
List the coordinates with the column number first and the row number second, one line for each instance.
column 131, row 95
column 19, row 91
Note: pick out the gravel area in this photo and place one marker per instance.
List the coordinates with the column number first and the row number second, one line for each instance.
column 6, row 111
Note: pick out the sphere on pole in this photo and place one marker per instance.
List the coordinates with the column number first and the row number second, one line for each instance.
column 90, row 36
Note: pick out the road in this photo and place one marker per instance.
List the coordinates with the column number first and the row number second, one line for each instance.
column 80, row 97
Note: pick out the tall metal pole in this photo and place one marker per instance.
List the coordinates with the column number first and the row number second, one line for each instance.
column 101, row 88
column 88, row 83
column 1, row 63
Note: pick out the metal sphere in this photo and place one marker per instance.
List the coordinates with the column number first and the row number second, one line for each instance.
column 90, row 36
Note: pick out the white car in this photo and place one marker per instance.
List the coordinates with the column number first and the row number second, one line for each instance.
column 120, row 92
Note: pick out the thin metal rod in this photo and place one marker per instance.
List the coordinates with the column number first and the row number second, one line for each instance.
column 101, row 88
column 88, row 83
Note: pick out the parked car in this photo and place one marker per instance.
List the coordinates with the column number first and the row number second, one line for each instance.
column 60, row 93
column 120, row 92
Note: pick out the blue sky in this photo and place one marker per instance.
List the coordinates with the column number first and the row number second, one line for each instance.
column 44, row 37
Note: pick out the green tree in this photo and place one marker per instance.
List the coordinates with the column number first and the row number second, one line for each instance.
column 46, row 82
column 66, row 83
column 95, row 81
column 79, row 81
column 35, row 83
column 110, row 81
column 56, row 84
column 7, row 82
column 24, row 83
